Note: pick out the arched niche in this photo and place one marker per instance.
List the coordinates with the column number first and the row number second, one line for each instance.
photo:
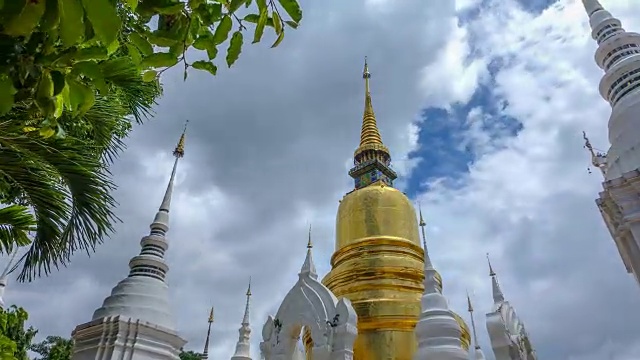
column 331, row 323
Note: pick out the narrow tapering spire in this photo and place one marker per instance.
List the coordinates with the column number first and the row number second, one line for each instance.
column 372, row 159
column 243, row 346
column 4, row 277
column 478, row 355
column 370, row 134
column 205, row 353
column 144, row 293
column 498, row 297
column 308, row 267
column 422, row 223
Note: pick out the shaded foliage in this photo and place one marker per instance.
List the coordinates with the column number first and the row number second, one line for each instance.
column 15, row 340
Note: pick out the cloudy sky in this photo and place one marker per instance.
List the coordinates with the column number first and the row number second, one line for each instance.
column 482, row 104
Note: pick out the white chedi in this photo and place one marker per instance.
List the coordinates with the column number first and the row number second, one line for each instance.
column 310, row 304
column 437, row 332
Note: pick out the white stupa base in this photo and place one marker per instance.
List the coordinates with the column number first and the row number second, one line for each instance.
column 119, row 337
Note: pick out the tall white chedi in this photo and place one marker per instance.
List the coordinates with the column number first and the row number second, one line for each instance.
column 438, row 333
column 135, row 321
column 243, row 347
column 618, row 54
column 509, row 338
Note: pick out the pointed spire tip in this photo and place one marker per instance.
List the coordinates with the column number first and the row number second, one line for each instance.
column 179, row 150
column 309, row 243
column 491, row 272
column 249, row 287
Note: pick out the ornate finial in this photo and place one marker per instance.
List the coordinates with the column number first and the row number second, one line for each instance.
column 491, row 272
column 422, row 225
column 309, row 244
column 211, row 316
column 249, row 288
column 469, row 306
column 179, row 150
column 597, row 159
column 365, row 73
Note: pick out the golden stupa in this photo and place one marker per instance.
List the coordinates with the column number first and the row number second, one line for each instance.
column 378, row 262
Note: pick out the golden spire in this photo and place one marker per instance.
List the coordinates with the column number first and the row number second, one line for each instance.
column 309, row 244
column 179, row 150
column 249, row 288
column 370, row 138
column 211, row 316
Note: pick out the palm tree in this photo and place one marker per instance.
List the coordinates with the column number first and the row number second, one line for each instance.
column 57, row 190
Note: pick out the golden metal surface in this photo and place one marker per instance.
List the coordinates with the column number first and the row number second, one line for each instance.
column 379, row 265
column 466, row 335
column 369, row 135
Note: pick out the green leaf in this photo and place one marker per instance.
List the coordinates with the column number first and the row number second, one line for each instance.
column 160, row 59
column 113, row 47
column 45, row 86
column 292, row 8
column 133, row 4
column 262, row 21
column 51, row 17
column 141, row 43
column 277, row 22
column 222, row 31
column 278, row 40
column 235, row 47
column 91, row 53
column 81, row 97
column 47, row 132
column 71, row 22
column 149, row 76
column 7, row 92
column 252, row 18
column 59, row 104
column 58, row 82
column 194, row 4
column 91, row 70
column 134, row 54
column 205, row 65
column 104, row 18
column 292, row 24
column 262, row 6
column 170, row 9
column 235, row 5
column 212, row 52
column 27, row 19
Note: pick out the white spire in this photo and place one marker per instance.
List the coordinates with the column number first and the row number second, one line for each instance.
column 498, row 296
column 478, row 354
column 438, row 333
column 308, row 267
column 143, row 294
column 4, row 277
column 205, row 353
column 592, row 6
column 243, row 346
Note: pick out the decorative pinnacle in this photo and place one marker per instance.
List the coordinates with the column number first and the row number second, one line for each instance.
column 469, row 306
column 491, row 272
column 422, row 225
column 369, row 135
column 309, row 244
column 597, row 159
column 249, row 288
column 210, row 316
column 179, row 150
